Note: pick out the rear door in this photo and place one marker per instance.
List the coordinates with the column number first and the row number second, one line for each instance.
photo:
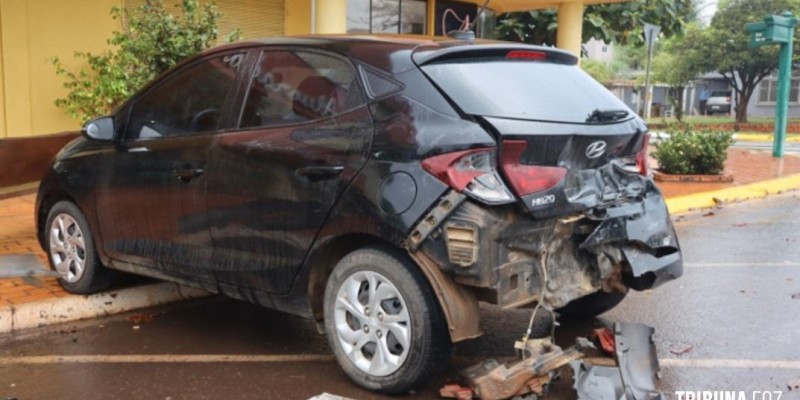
column 304, row 133
column 151, row 200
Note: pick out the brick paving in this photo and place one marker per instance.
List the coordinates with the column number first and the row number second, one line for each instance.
column 746, row 166
column 17, row 236
column 17, row 233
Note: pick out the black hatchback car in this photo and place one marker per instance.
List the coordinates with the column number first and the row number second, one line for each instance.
column 381, row 186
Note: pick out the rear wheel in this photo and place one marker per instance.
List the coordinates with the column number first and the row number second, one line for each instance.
column 592, row 305
column 383, row 322
column 71, row 251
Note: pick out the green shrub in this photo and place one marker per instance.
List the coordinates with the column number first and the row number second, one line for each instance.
column 689, row 151
column 153, row 41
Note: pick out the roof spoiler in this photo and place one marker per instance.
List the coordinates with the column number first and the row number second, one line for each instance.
column 510, row 51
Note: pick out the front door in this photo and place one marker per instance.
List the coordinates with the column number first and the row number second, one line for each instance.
column 151, row 201
column 303, row 135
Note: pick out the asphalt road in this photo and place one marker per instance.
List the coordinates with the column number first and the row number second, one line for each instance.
column 733, row 306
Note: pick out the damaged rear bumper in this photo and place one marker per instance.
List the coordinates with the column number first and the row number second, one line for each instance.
column 511, row 258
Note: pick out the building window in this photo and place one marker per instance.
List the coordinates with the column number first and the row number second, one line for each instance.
column 768, row 90
column 387, row 16
column 605, row 49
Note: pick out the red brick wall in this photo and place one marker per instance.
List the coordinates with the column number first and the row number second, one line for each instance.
column 24, row 160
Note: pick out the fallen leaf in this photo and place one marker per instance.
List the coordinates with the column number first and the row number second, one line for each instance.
column 709, row 214
column 794, row 384
column 740, row 225
column 796, row 296
column 681, row 350
column 138, row 318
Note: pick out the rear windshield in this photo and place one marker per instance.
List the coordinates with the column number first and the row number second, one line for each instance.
column 523, row 90
column 720, row 94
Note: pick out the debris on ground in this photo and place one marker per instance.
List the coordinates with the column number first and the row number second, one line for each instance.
column 139, row 318
column 709, row 214
column 743, row 224
column 604, row 338
column 796, row 296
column 633, row 369
column 681, row 350
column 794, row 384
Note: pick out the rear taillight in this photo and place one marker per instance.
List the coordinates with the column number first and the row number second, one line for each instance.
column 728, row 100
column 527, row 179
column 472, row 172
column 641, row 156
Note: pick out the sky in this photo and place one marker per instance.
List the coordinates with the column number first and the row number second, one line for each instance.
column 707, row 10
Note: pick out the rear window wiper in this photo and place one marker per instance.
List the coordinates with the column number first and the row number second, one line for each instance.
column 606, row 115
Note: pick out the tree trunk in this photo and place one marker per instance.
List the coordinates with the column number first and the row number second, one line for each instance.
column 741, row 104
column 678, row 100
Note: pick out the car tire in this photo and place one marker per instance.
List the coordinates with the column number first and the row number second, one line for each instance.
column 387, row 357
column 71, row 251
column 591, row 305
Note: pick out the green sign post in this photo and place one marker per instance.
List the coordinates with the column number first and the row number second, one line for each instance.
column 778, row 29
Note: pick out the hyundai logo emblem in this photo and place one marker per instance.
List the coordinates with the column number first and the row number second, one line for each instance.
column 596, row 149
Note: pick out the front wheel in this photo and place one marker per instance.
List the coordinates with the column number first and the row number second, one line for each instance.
column 70, row 249
column 383, row 322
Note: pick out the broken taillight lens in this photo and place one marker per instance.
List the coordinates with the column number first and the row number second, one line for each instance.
column 472, row 172
column 527, row 179
column 641, row 156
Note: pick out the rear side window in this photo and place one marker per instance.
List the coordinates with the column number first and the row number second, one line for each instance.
column 297, row 86
column 530, row 90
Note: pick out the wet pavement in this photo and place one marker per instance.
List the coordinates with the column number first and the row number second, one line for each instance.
column 734, row 306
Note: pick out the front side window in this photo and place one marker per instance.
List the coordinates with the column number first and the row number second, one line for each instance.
column 188, row 102
column 296, row 86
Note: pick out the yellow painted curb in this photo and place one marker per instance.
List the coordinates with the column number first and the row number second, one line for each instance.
column 763, row 137
column 752, row 191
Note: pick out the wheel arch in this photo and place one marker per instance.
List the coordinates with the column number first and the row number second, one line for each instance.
column 457, row 303
column 46, row 202
column 326, row 257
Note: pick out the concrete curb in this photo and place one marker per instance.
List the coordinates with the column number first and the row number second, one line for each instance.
column 756, row 190
column 763, row 137
column 73, row 308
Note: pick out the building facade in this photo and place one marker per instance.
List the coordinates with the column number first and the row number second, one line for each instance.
column 32, row 33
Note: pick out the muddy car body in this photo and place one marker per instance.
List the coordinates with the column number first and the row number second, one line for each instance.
column 402, row 176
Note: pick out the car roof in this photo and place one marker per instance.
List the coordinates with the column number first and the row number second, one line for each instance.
column 395, row 53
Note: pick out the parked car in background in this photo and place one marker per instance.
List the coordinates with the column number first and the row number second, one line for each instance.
column 381, row 186
column 719, row 103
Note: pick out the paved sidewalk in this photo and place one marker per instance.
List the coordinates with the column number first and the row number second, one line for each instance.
column 17, row 236
column 17, row 233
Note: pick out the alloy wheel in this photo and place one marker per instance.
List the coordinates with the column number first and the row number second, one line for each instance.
column 372, row 323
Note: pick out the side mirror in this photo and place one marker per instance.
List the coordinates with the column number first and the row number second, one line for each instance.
column 100, row 129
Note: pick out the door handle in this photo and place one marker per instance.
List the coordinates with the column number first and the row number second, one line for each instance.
column 318, row 173
column 187, row 174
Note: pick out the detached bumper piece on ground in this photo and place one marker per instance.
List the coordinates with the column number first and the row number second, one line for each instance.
column 631, row 375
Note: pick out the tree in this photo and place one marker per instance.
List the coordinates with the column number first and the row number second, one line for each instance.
column 620, row 23
column 599, row 70
column 153, row 41
column 725, row 46
column 677, row 65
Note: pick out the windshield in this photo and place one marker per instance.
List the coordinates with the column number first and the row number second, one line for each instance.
column 523, row 90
